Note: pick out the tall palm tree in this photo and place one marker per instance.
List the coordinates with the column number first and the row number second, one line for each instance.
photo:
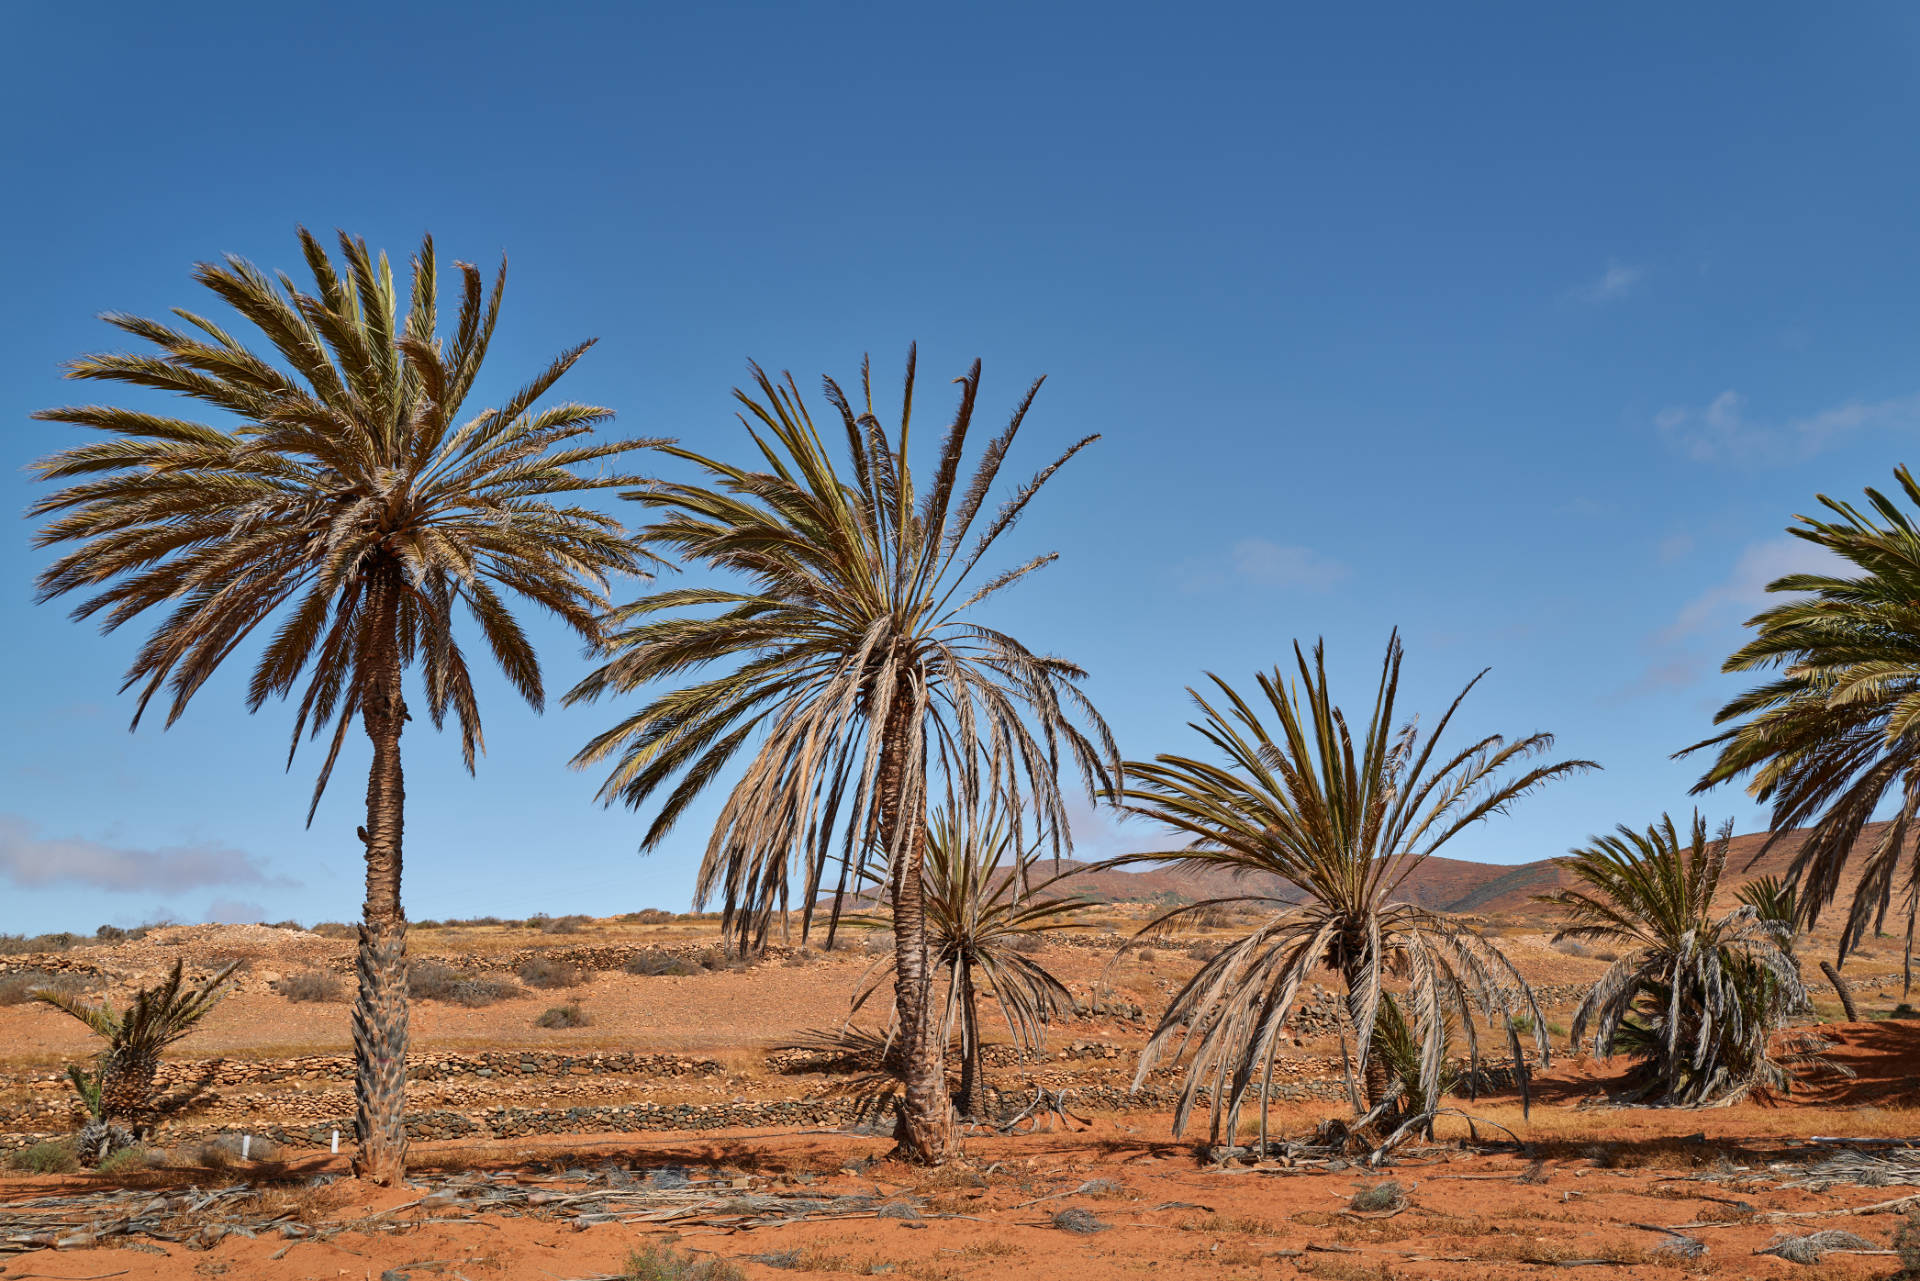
column 1696, row 996
column 1296, row 801
column 1838, row 730
column 345, row 505
column 853, row 656
column 981, row 907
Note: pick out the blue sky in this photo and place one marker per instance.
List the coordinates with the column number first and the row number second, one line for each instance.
column 1525, row 330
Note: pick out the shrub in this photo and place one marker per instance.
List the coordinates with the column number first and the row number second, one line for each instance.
column 664, row 1263
column 117, row 934
column 431, row 981
column 559, row 924
column 314, row 985
column 560, row 1016
column 295, row 926
column 1378, row 1198
column 18, row 989
column 429, row 925
column 51, row 1157
column 335, row 930
column 541, row 972
column 126, row 1161
column 647, row 916
column 1027, row 943
column 16, row 944
column 658, row 963
column 1145, row 954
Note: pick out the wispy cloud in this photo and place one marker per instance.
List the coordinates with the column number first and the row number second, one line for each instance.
column 1689, row 647
column 1721, row 430
column 1613, row 284
column 31, row 861
column 1261, row 563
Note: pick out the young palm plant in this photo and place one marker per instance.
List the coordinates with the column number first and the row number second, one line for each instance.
column 981, row 907
column 1838, row 730
column 853, row 657
column 1346, row 823
column 122, row 1105
column 346, row 507
column 1695, row 997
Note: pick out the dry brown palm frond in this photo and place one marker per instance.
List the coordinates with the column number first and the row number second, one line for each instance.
column 1345, row 819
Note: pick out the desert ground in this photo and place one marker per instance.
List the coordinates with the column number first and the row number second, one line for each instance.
column 675, row 1120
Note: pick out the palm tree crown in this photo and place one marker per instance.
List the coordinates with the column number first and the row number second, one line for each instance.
column 852, row 657
column 348, row 489
column 1838, row 729
column 1346, row 823
column 1696, row 996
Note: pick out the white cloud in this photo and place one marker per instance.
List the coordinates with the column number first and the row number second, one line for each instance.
column 1281, row 565
column 1615, row 283
column 1259, row 562
column 1744, row 592
column 30, row 861
column 1721, row 430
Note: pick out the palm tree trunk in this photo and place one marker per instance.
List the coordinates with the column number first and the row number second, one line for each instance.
column 380, row 1015
column 971, row 1104
column 926, row 1127
column 1373, row 1073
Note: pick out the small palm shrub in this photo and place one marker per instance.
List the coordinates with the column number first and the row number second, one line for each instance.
column 563, row 1016
column 984, row 918
column 120, row 1098
column 1695, row 998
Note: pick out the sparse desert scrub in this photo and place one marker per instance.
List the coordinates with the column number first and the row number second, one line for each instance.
column 432, row 981
column 18, row 989
column 545, row 973
column 50, row 1157
column 569, row 1015
column 313, row 985
column 659, row 963
column 664, row 1263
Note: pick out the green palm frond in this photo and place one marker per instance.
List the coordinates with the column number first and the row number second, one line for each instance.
column 1837, row 732
column 1695, row 996
column 337, row 501
column 840, row 630
column 1292, row 792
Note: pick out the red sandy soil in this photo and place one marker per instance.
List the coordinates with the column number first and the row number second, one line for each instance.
column 989, row 1213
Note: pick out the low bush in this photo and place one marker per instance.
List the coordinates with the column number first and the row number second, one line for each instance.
column 18, row 989
column 19, row 944
column 126, row 1161
column 560, row 1016
column 664, row 1263
column 543, row 973
column 647, row 916
column 294, row 926
column 336, row 930
column 431, row 981
column 314, row 985
column 52, row 1157
column 118, row 934
column 558, row 924
column 1028, row 943
column 654, row 964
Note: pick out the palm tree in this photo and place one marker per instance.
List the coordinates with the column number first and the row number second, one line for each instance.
column 119, row 1095
column 981, row 909
column 1838, row 730
column 1696, row 996
column 1299, row 804
column 853, row 656
column 348, row 508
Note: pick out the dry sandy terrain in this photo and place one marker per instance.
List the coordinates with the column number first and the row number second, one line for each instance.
column 1585, row 1182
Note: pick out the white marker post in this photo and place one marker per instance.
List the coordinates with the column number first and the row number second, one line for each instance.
column 336, row 1143
column 246, row 1145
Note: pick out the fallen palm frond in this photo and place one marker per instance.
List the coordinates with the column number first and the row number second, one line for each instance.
column 1809, row 1248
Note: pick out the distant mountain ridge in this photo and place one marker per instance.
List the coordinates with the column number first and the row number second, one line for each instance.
column 1442, row 884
